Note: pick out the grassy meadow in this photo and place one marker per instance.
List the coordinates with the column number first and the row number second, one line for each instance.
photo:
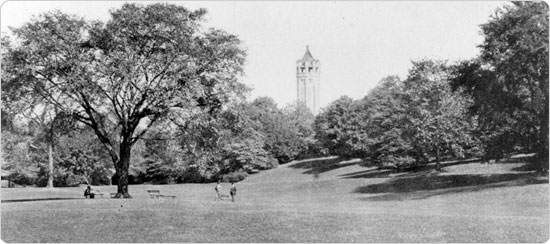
column 320, row 200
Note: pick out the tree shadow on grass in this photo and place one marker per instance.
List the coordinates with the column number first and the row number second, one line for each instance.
column 319, row 166
column 421, row 187
column 420, row 170
column 530, row 165
column 40, row 199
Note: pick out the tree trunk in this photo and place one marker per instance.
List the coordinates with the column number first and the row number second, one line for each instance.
column 437, row 161
column 50, row 165
column 543, row 148
column 121, row 168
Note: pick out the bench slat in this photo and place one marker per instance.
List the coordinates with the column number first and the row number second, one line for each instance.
column 156, row 194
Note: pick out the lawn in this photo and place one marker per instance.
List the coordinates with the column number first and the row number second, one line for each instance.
column 323, row 200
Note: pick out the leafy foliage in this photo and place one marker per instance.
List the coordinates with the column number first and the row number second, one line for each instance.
column 121, row 77
column 338, row 130
column 81, row 154
column 438, row 122
column 509, row 81
column 401, row 124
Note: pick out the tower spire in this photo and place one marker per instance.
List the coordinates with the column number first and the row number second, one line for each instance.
column 307, row 79
column 307, row 56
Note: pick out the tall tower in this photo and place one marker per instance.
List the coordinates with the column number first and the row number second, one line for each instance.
column 308, row 70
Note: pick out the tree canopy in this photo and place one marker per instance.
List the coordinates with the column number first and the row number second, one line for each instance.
column 509, row 80
column 122, row 76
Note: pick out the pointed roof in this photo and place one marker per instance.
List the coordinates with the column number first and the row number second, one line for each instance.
column 307, row 56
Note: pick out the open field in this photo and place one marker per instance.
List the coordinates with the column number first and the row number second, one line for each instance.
column 322, row 200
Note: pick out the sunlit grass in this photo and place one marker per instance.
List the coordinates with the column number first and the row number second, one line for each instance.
column 290, row 205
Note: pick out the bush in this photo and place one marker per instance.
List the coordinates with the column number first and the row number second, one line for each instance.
column 156, row 171
column 399, row 162
column 100, row 177
column 272, row 163
column 235, row 176
column 43, row 175
column 21, row 178
column 73, row 180
column 135, row 176
column 189, row 175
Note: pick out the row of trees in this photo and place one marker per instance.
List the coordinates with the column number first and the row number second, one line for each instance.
column 153, row 87
column 151, row 75
column 245, row 138
column 492, row 105
column 402, row 123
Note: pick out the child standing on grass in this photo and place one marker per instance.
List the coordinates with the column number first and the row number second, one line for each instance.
column 218, row 189
column 233, row 192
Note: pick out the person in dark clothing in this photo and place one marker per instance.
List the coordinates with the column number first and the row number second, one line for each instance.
column 233, row 192
column 88, row 192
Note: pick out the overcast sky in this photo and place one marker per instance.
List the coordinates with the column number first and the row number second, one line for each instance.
column 357, row 42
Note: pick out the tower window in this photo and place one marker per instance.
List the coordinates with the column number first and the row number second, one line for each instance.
column 310, row 69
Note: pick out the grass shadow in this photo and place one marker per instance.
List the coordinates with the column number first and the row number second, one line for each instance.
column 40, row 199
column 421, row 187
column 531, row 164
column 370, row 173
column 319, row 166
column 419, row 170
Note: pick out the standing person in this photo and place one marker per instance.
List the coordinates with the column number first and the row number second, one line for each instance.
column 233, row 192
column 218, row 189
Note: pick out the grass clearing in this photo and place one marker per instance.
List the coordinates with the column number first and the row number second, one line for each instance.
column 290, row 204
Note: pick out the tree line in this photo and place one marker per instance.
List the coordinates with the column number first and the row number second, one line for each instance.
column 153, row 96
column 487, row 107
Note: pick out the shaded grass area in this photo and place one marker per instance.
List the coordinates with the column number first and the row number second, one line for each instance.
column 346, row 204
column 424, row 186
column 418, row 170
column 40, row 199
column 318, row 166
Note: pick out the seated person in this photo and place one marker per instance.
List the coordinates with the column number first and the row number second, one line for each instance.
column 88, row 192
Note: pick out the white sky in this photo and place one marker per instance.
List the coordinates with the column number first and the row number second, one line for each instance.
column 357, row 42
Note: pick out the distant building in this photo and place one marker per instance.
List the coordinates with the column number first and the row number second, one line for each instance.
column 307, row 79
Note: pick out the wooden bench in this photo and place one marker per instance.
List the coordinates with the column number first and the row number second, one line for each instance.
column 95, row 194
column 222, row 196
column 156, row 194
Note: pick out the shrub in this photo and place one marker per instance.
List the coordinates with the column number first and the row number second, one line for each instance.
column 272, row 163
column 21, row 178
column 235, row 176
column 399, row 162
column 100, row 177
column 189, row 175
column 135, row 176
column 74, row 180
column 158, row 172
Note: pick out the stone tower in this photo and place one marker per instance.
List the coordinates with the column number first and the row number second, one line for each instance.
column 307, row 80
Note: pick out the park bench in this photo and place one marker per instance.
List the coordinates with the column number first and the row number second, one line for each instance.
column 96, row 194
column 156, row 194
column 222, row 196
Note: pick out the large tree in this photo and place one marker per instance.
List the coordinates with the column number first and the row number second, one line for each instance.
column 19, row 102
column 509, row 81
column 437, row 119
column 340, row 128
column 122, row 76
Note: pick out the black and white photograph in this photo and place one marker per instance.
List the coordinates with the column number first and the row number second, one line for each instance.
column 274, row 122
